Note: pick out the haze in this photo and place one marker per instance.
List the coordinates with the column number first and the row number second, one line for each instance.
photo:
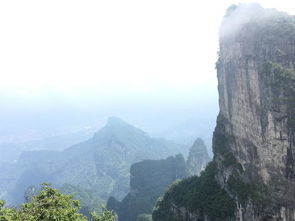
column 65, row 65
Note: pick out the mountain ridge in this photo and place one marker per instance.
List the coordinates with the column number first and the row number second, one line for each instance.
column 100, row 163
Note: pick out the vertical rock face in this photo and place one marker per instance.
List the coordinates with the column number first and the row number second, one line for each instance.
column 198, row 158
column 148, row 181
column 254, row 137
column 253, row 169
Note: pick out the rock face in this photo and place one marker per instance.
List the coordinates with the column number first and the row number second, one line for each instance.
column 198, row 158
column 148, row 181
column 253, row 142
column 255, row 127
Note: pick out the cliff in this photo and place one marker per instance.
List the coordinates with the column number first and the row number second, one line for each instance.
column 148, row 181
column 253, row 143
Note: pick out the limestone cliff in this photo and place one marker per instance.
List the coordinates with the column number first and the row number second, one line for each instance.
column 255, row 127
column 253, row 142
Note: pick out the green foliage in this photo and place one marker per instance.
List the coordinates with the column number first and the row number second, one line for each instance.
column 105, row 216
column 236, row 186
column 283, row 78
column 268, row 26
column 7, row 214
column 89, row 199
column 50, row 205
column 222, row 141
column 96, row 169
column 201, row 195
column 244, row 191
column 282, row 83
column 280, row 27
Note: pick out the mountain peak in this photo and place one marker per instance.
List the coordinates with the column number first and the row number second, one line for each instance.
column 117, row 122
column 116, row 127
column 199, row 143
column 198, row 157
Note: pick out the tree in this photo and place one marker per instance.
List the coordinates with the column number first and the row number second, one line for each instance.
column 7, row 214
column 50, row 205
column 105, row 216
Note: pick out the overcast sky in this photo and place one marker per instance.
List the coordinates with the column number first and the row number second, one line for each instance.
column 139, row 46
column 90, row 53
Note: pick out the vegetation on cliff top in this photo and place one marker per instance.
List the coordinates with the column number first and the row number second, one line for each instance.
column 252, row 22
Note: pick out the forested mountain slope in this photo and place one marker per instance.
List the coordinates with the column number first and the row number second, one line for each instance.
column 100, row 164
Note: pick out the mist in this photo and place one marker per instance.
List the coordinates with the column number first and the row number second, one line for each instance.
column 240, row 14
column 69, row 67
column 48, row 115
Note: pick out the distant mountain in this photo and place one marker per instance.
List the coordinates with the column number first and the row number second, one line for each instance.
column 148, row 181
column 100, row 164
column 186, row 132
column 10, row 152
column 150, row 178
column 198, row 158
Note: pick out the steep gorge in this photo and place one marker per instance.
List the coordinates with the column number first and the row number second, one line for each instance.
column 253, row 170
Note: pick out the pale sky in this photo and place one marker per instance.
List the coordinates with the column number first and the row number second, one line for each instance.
column 155, row 53
column 76, row 47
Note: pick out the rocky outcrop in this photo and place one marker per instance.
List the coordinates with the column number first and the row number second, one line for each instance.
column 148, row 181
column 198, row 158
column 253, row 142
